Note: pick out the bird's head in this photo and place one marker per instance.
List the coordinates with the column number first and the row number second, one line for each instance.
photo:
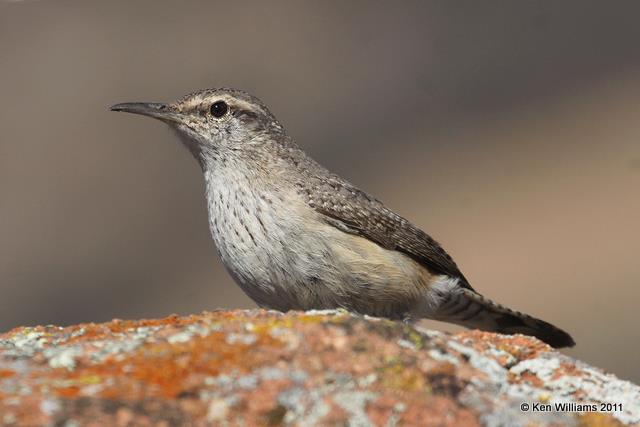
column 213, row 122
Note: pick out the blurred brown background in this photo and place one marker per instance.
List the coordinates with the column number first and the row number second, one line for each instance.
column 508, row 130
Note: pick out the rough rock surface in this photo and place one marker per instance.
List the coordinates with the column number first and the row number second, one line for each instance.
column 315, row 368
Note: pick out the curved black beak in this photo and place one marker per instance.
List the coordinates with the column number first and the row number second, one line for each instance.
column 152, row 109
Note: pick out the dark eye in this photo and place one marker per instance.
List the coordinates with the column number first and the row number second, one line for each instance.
column 219, row 109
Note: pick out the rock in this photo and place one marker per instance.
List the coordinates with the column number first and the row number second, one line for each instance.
column 315, row 368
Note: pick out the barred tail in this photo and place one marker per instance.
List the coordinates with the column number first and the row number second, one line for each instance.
column 470, row 309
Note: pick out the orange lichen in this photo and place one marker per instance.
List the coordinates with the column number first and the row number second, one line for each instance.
column 6, row 373
column 530, row 378
column 93, row 331
column 162, row 367
column 566, row 369
column 521, row 347
column 72, row 391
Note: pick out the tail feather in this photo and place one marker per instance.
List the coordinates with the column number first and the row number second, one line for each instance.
column 470, row 309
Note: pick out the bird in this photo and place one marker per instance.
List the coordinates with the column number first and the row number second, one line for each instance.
column 295, row 236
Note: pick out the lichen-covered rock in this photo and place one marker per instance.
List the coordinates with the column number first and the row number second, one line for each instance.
column 315, row 368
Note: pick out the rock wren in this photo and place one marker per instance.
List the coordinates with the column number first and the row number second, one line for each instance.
column 295, row 236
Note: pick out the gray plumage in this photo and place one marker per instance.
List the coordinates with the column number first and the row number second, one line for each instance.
column 296, row 236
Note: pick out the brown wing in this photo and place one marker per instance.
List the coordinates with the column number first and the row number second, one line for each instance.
column 354, row 211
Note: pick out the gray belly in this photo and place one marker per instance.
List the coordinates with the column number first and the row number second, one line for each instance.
column 285, row 257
